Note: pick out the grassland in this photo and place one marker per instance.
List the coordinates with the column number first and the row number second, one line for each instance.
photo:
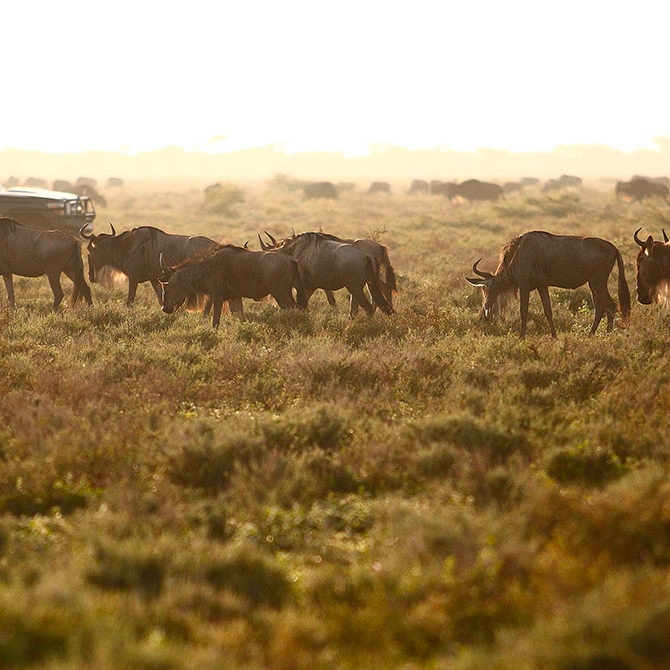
column 305, row 491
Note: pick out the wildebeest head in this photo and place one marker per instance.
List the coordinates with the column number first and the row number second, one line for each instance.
column 653, row 268
column 497, row 291
column 101, row 253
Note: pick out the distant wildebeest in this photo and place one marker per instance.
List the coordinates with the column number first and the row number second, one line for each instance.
column 86, row 181
column 36, row 182
column 564, row 181
column 529, row 182
column 10, row 182
column 512, row 187
column 29, row 252
column 91, row 192
column 330, row 264
column 473, row 189
column 232, row 273
column 378, row 251
column 445, row 188
column 320, row 189
column 115, row 182
column 136, row 253
column 418, row 186
column 379, row 187
column 62, row 185
column 538, row 260
column 639, row 189
column 657, row 180
column 653, row 269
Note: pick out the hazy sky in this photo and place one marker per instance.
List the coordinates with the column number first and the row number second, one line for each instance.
column 520, row 75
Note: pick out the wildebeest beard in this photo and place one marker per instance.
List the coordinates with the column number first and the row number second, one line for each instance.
column 110, row 277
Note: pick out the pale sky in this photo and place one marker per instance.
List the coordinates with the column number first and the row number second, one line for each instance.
column 520, row 75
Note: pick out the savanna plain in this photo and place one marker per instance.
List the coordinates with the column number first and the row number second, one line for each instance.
column 309, row 491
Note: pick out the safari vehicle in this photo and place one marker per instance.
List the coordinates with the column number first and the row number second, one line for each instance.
column 47, row 209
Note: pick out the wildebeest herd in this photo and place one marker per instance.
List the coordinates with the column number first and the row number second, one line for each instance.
column 197, row 270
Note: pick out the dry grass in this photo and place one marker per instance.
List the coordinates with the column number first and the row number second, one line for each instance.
column 308, row 491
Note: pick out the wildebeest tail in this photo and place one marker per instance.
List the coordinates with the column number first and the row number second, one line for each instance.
column 624, row 293
column 81, row 290
column 374, row 284
column 298, row 282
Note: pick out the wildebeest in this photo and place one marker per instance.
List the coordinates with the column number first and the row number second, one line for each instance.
column 538, row 260
column 320, row 189
column 91, row 192
column 564, row 181
column 653, row 268
column 231, row 272
column 638, row 189
column 445, row 188
column 473, row 189
column 418, row 186
column 378, row 251
column 36, row 182
column 330, row 264
column 529, row 181
column 29, row 252
column 656, row 180
column 62, row 185
column 136, row 253
column 379, row 187
column 512, row 187
column 115, row 182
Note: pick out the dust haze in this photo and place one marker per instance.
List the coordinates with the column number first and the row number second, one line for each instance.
column 383, row 162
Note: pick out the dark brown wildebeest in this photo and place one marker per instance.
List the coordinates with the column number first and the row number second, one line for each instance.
column 418, row 186
column 378, row 251
column 379, row 187
column 319, row 189
column 473, row 189
column 653, row 269
column 330, row 264
column 29, row 252
column 538, row 260
column 136, row 254
column 232, row 273
column 639, row 189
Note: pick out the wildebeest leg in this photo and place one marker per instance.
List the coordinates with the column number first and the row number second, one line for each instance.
column 9, row 286
column 330, row 297
column 56, row 288
column 157, row 289
column 603, row 304
column 132, row 290
column 524, row 295
column 285, row 299
column 358, row 296
column 353, row 306
column 546, row 306
column 217, row 305
column 235, row 305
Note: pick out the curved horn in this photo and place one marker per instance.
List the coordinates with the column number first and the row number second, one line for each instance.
column 83, row 234
column 112, row 227
column 665, row 236
column 636, row 238
column 486, row 275
column 272, row 239
column 264, row 247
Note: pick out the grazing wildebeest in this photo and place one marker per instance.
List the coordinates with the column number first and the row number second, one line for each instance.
column 320, row 189
column 418, row 186
column 445, row 188
column 231, row 272
column 564, row 181
column 657, row 180
column 136, row 254
column 330, row 264
column 638, row 189
column 473, row 189
column 538, row 260
column 512, row 187
column 62, row 185
column 379, row 187
column 653, row 269
column 378, row 251
column 29, row 252
column 115, row 182
column 529, row 181
column 36, row 182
